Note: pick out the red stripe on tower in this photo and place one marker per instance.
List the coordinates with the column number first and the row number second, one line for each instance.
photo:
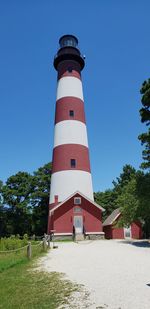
column 69, row 68
column 69, row 108
column 63, row 154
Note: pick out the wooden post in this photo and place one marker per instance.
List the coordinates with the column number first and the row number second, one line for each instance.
column 29, row 251
column 44, row 244
column 49, row 242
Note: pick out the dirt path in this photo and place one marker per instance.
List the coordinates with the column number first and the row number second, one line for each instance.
column 116, row 274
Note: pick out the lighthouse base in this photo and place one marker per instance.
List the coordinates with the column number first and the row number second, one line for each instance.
column 77, row 215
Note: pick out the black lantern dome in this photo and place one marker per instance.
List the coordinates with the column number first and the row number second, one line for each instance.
column 68, row 51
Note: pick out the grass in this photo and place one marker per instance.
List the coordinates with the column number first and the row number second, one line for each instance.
column 23, row 287
column 63, row 240
column 10, row 259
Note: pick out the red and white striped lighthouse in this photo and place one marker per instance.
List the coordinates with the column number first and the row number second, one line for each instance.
column 70, row 164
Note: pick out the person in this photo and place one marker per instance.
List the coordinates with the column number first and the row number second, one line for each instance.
column 84, row 231
column 73, row 232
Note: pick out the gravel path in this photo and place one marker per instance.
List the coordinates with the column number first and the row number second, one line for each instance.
column 115, row 273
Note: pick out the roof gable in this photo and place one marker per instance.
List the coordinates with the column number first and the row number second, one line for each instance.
column 81, row 194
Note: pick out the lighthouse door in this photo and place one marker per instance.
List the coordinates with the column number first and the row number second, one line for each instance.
column 78, row 224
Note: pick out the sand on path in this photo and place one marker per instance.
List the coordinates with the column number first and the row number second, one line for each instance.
column 116, row 274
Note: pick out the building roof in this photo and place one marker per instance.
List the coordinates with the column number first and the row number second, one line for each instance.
column 77, row 192
column 110, row 219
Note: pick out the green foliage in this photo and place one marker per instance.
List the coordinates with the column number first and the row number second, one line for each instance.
column 3, row 216
column 25, row 237
column 12, row 243
column 134, row 201
column 24, row 202
column 107, row 200
column 131, row 193
column 143, row 193
column 40, row 199
column 127, row 174
column 145, row 118
column 1, row 198
column 16, row 195
column 145, row 140
column 128, row 203
column 126, row 192
column 145, row 110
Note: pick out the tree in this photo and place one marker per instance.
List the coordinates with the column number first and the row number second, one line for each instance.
column 2, row 213
column 107, row 200
column 128, row 203
column 134, row 201
column 145, row 118
column 40, row 199
column 1, row 185
column 17, row 194
column 143, row 195
column 25, row 202
column 127, row 174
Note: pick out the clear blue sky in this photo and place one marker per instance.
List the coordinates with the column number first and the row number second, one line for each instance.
column 114, row 36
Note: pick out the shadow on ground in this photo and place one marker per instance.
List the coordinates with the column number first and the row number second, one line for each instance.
column 138, row 243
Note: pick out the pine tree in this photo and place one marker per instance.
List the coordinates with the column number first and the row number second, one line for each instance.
column 145, row 118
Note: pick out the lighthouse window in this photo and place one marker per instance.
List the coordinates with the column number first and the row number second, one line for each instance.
column 71, row 113
column 73, row 163
column 69, row 69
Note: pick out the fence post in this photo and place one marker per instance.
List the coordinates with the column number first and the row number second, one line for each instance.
column 29, row 251
column 49, row 242
column 44, row 244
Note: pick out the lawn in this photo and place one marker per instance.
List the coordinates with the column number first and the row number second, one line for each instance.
column 23, row 286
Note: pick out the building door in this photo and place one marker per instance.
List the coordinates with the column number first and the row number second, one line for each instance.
column 127, row 232
column 78, row 224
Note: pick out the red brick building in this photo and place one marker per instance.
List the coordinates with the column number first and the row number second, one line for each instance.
column 112, row 231
column 77, row 213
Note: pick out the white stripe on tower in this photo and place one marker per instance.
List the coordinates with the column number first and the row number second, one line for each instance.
column 70, row 132
column 66, row 183
column 69, row 86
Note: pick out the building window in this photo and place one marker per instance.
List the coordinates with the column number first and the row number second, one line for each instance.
column 77, row 209
column 71, row 113
column 70, row 69
column 73, row 163
column 77, row 201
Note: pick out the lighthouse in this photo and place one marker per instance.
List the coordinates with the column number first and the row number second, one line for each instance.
column 71, row 208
